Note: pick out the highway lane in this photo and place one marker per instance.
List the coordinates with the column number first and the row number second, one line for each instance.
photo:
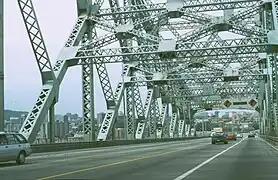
column 197, row 159
column 47, row 164
column 158, row 166
column 88, row 151
column 252, row 159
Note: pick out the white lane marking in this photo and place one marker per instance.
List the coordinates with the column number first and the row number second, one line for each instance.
column 268, row 144
column 205, row 162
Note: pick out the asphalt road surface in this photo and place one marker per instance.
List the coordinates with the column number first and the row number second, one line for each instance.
column 191, row 159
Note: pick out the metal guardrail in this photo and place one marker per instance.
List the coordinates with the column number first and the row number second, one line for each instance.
column 39, row 148
column 64, row 140
column 271, row 139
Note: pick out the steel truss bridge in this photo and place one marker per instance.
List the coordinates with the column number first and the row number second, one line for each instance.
column 175, row 50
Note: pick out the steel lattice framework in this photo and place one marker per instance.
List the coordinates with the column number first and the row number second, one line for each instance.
column 174, row 49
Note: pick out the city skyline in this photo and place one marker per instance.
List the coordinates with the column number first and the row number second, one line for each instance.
column 121, row 113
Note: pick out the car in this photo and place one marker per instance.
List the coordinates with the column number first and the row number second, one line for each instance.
column 239, row 135
column 251, row 134
column 14, row 147
column 219, row 137
column 232, row 136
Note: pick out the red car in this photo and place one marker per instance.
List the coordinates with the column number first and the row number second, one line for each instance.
column 231, row 136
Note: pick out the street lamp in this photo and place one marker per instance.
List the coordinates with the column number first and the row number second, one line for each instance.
column 124, row 105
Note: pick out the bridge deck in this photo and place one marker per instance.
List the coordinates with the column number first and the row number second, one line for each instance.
column 247, row 159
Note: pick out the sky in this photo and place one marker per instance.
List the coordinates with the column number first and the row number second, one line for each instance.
column 22, row 78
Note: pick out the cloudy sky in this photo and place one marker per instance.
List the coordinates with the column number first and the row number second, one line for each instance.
column 22, row 79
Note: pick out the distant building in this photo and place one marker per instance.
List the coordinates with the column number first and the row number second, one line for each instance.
column 22, row 118
column 120, row 121
column 62, row 129
column 13, row 124
column 66, row 124
column 100, row 117
column 44, row 131
column 121, row 113
column 62, row 133
column 57, row 129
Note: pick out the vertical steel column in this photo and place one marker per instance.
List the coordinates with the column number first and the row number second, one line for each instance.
column 88, row 75
column 1, row 65
column 88, row 70
column 262, row 97
column 52, row 123
column 274, row 28
column 267, row 103
column 92, row 96
column 130, row 110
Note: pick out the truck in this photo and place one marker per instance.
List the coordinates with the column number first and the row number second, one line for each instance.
column 218, row 130
column 218, row 136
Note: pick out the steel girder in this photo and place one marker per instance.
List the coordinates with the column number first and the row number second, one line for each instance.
column 46, row 98
column 51, row 77
column 195, row 78
column 219, row 62
column 197, row 49
column 35, row 36
column 49, row 94
column 131, row 94
column 88, row 87
column 268, row 101
column 148, row 54
column 189, row 6
column 222, row 91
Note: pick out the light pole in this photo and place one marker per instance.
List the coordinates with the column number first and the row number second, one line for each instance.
column 124, row 105
column 203, row 126
column 1, row 65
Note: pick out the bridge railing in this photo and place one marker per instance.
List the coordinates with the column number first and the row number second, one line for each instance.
column 78, row 139
column 59, row 140
column 271, row 139
column 39, row 148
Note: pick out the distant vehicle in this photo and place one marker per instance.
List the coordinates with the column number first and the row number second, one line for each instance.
column 239, row 135
column 231, row 136
column 219, row 137
column 14, row 147
column 218, row 129
column 251, row 134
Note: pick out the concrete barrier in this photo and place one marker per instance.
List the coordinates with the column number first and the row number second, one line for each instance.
column 40, row 148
